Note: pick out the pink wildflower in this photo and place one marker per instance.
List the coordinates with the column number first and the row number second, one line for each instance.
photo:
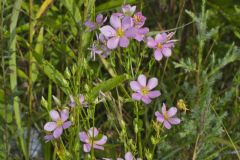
column 118, row 33
column 167, row 117
column 89, row 140
column 59, row 122
column 143, row 90
column 162, row 45
column 128, row 10
column 93, row 25
column 128, row 156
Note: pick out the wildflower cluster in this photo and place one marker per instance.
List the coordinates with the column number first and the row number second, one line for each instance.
column 123, row 28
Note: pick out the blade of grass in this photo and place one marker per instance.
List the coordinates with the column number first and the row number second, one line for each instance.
column 13, row 74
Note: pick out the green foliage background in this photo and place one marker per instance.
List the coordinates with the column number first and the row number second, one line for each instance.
column 44, row 53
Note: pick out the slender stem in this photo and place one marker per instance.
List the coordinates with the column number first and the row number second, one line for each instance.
column 30, row 96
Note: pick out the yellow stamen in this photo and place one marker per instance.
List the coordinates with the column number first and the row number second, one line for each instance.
column 159, row 46
column 165, row 115
column 120, row 32
column 144, row 91
column 137, row 18
column 59, row 122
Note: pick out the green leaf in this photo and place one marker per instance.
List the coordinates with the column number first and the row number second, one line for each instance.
column 106, row 86
column 113, row 4
column 55, row 76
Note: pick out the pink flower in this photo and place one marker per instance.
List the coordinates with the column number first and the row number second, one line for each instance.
column 82, row 101
column 93, row 25
column 128, row 156
column 89, row 140
column 143, row 90
column 119, row 31
column 167, row 117
column 162, row 45
column 59, row 122
column 139, row 33
column 128, row 10
column 138, row 20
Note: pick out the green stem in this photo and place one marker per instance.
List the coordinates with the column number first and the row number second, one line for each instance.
column 13, row 74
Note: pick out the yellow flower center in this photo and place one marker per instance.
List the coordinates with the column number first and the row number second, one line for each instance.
column 59, row 122
column 136, row 18
column 120, row 32
column 144, row 91
column 165, row 116
column 159, row 46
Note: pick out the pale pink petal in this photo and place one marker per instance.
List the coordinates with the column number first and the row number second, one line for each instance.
column 81, row 98
column 152, row 83
column 132, row 9
column 87, row 147
column 151, row 42
column 160, row 118
column 167, row 124
column 172, row 111
column 102, row 141
column 157, row 113
column 54, row 115
column 154, row 94
column 131, row 32
column 108, row 31
column 64, row 115
column 123, row 42
column 142, row 80
column 57, row 132
column 164, row 110
column 136, row 96
column 98, row 147
column 50, row 126
column 166, row 52
column 115, row 21
column 128, row 156
column 146, row 99
column 127, row 23
column 93, row 132
column 174, row 120
column 83, row 137
column 161, row 37
column 158, row 54
column 99, row 18
column 135, row 86
column 113, row 42
column 67, row 124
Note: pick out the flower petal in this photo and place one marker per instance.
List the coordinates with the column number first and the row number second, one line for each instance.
column 152, row 83
column 83, row 137
column 57, row 132
column 108, row 31
column 151, row 42
column 50, row 126
column 174, row 120
column 142, row 80
column 67, row 124
column 166, row 52
column 102, row 141
column 115, row 21
column 87, row 147
column 146, row 99
column 54, row 115
column 161, row 37
column 48, row 138
column 99, row 18
column 172, row 111
column 124, row 42
column 158, row 54
column 64, row 115
column 164, row 110
column 136, row 96
column 98, row 147
column 167, row 124
column 113, row 42
column 135, row 86
column 154, row 94
column 81, row 98
column 128, row 156
column 127, row 23
column 160, row 118
column 93, row 132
